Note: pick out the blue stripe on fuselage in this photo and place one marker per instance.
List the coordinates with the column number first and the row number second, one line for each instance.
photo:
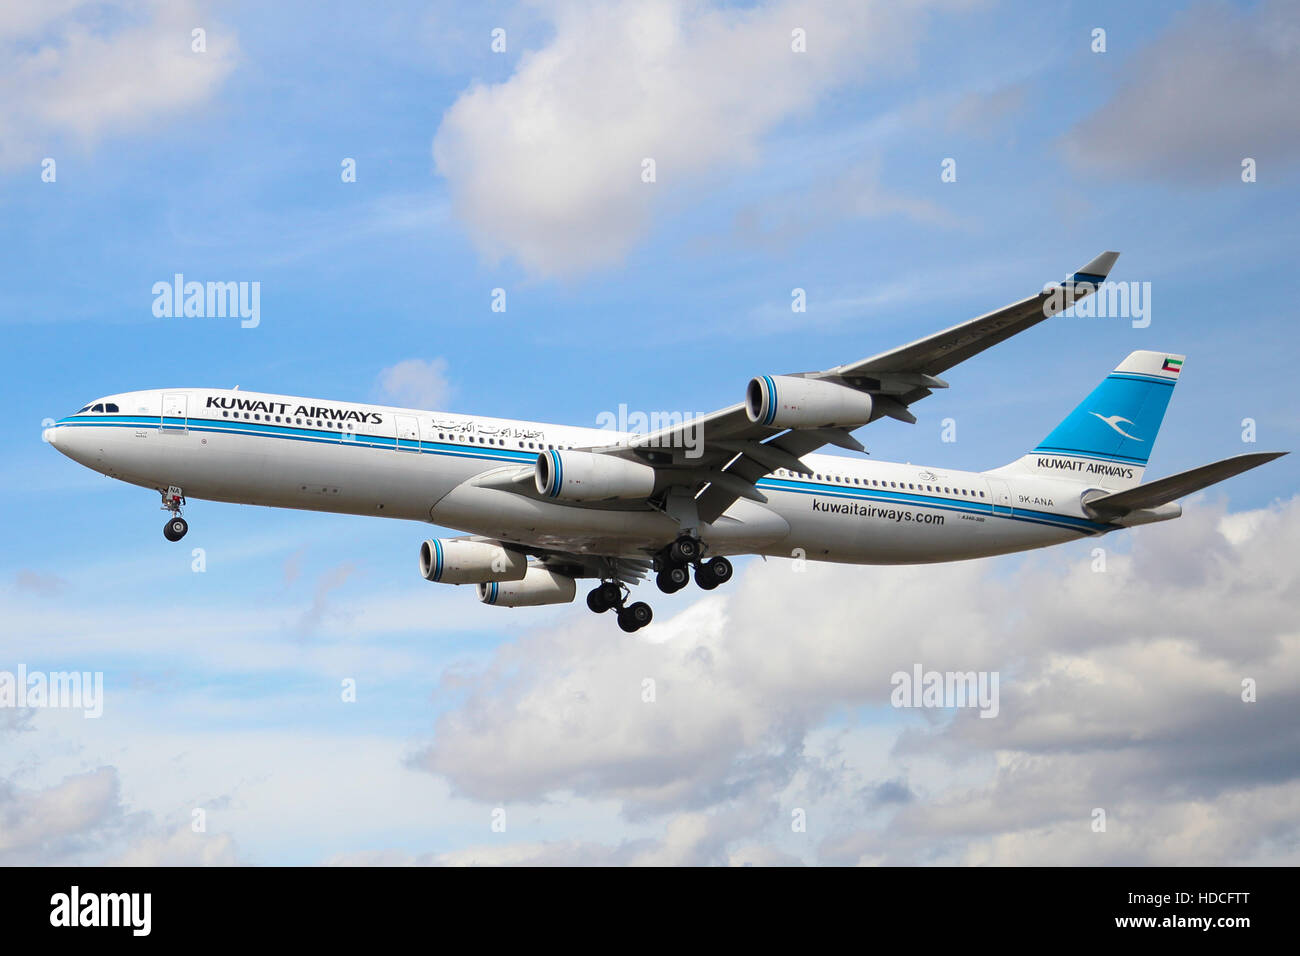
column 258, row 430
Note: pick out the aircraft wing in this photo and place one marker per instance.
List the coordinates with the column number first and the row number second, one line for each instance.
column 726, row 453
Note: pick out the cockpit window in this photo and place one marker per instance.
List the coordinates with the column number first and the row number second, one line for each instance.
column 110, row 407
column 98, row 408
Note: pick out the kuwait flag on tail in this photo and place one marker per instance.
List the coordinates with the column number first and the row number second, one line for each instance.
column 1172, row 365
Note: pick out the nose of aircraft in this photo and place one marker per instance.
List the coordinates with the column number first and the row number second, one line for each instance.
column 76, row 443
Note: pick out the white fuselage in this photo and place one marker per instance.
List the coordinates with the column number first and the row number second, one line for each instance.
column 288, row 452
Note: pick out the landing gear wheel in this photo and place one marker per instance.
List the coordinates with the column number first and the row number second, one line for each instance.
column 635, row 616
column 672, row 579
column 600, row 599
column 685, row 550
column 713, row 572
column 611, row 593
column 719, row 569
column 175, row 529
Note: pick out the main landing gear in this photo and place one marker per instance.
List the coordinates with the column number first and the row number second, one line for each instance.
column 172, row 500
column 674, row 573
column 609, row 594
column 682, row 553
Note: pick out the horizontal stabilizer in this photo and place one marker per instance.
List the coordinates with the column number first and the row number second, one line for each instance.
column 1156, row 493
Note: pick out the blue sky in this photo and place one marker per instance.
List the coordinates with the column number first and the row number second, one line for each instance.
column 223, row 684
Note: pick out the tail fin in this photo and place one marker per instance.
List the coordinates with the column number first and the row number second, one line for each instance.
column 1108, row 438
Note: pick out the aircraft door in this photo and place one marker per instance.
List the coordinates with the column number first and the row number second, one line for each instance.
column 1001, row 495
column 408, row 433
column 174, row 412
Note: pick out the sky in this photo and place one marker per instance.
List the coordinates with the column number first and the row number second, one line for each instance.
column 133, row 149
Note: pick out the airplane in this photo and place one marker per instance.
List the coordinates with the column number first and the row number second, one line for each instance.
column 542, row 506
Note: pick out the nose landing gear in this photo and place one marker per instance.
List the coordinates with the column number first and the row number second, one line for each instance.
column 172, row 500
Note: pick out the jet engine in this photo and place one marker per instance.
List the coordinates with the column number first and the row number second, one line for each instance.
column 538, row 586
column 461, row 561
column 582, row 476
column 786, row 401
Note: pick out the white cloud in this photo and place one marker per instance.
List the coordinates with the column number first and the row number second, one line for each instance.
column 546, row 167
column 82, row 819
column 687, row 839
column 180, row 847
column 416, row 383
column 45, row 825
column 80, row 70
column 1120, row 690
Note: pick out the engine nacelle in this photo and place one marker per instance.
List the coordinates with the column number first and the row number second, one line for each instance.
column 457, row 561
column 582, row 476
column 539, row 586
column 784, row 401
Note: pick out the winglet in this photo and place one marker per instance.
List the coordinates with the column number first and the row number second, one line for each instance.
column 1096, row 270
